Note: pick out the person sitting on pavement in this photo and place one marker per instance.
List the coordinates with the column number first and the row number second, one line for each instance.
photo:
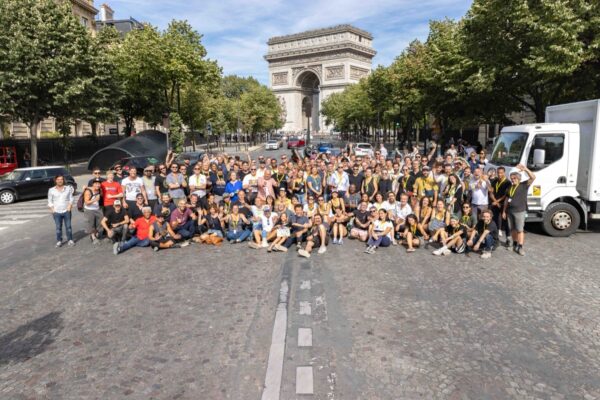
column 453, row 238
column 142, row 229
column 183, row 221
column 381, row 232
column 299, row 228
column 440, row 218
column 264, row 231
column 161, row 233
column 212, row 221
column 317, row 237
column 115, row 222
column 412, row 235
column 282, row 230
column 485, row 235
column 236, row 229
column 362, row 221
column 338, row 225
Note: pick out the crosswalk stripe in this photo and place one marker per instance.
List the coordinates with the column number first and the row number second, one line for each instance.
column 24, row 216
column 13, row 222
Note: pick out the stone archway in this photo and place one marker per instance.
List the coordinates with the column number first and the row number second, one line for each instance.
column 308, row 82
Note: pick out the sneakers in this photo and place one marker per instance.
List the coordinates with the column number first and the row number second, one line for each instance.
column 71, row 243
column 185, row 243
column 439, row 251
column 323, row 249
column 334, row 241
column 58, row 244
column 410, row 250
column 520, row 250
column 253, row 245
column 303, row 253
column 265, row 243
column 155, row 248
column 368, row 249
column 281, row 248
column 446, row 251
column 116, row 248
column 341, row 241
column 486, row 254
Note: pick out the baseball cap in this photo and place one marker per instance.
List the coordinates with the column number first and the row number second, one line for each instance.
column 426, row 168
column 97, row 180
column 267, row 209
column 117, row 203
column 228, row 195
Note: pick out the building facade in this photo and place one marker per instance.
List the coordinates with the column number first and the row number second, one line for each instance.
column 123, row 26
column 307, row 67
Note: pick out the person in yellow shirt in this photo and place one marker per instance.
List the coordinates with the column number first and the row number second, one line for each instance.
column 425, row 186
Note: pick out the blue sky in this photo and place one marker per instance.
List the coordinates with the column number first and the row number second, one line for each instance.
column 236, row 31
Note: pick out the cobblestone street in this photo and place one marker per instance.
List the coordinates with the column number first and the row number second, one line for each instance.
column 197, row 322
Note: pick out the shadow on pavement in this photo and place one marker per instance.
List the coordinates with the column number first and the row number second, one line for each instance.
column 31, row 339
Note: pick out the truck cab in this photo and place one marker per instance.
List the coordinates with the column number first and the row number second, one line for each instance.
column 564, row 158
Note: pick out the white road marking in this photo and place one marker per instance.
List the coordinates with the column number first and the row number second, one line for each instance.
column 2, row 228
column 13, row 222
column 305, row 308
column 272, row 387
column 304, row 380
column 304, row 337
column 305, row 285
column 22, row 215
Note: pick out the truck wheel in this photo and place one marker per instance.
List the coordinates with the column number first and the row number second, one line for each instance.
column 561, row 220
column 7, row 197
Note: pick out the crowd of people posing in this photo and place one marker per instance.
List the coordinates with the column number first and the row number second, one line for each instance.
column 448, row 201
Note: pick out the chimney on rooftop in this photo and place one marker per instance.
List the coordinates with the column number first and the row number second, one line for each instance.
column 106, row 13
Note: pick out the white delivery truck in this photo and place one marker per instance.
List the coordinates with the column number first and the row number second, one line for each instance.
column 564, row 154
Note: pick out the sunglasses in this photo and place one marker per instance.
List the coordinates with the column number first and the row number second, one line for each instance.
column 196, row 169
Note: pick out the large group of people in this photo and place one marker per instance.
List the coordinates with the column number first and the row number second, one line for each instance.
column 447, row 200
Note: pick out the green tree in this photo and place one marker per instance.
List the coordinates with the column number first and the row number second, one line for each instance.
column 259, row 111
column 530, row 48
column 44, row 61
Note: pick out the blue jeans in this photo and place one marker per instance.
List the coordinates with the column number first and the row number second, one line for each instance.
column 186, row 230
column 301, row 198
column 382, row 241
column 488, row 242
column 59, row 218
column 217, row 232
column 240, row 235
column 133, row 242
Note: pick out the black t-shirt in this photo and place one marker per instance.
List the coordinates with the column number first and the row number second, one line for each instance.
column 500, row 188
column 491, row 227
column 135, row 212
column 385, row 186
column 517, row 197
column 281, row 181
column 160, row 182
column 114, row 217
column 450, row 230
column 158, row 207
column 356, row 180
column 362, row 216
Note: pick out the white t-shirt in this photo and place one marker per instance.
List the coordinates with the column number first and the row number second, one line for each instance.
column 479, row 192
column 199, row 180
column 380, row 226
column 268, row 223
column 131, row 187
column 251, row 182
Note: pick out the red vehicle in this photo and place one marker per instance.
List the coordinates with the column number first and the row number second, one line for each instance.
column 8, row 159
column 295, row 142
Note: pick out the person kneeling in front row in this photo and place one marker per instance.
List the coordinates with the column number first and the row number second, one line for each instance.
column 317, row 237
column 453, row 238
column 485, row 235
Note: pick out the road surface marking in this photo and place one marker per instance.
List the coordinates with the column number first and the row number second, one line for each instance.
column 13, row 222
column 304, row 337
column 305, row 285
column 305, row 308
column 304, row 380
column 272, row 387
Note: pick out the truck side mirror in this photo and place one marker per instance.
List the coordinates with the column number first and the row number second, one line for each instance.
column 539, row 157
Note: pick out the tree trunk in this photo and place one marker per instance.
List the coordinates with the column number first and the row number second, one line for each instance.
column 33, row 127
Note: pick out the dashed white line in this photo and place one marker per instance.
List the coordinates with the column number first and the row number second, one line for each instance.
column 305, row 308
column 304, row 380
column 304, row 337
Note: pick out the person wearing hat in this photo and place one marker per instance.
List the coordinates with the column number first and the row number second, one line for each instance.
column 115, row 222
column 136, row 210
column 161, row 233
column 92, row 197
column 515, row 206
column 265, row 231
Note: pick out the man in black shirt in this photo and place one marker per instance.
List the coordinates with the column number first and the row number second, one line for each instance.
column 453, row 238
column 484, row 236
column 498, row 191
column 356, row 177
column 360, row 230
column 515, row 206
column 115, row 222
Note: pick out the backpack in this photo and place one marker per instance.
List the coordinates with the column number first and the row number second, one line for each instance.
column 80, row 201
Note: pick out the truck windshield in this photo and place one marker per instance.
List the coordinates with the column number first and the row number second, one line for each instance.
column 509, row 148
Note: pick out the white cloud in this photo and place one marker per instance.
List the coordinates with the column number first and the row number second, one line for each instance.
column 236, row 31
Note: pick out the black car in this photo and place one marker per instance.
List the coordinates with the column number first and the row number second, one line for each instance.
column 30, row 183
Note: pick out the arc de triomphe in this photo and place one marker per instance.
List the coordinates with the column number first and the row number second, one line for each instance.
column 305, row 68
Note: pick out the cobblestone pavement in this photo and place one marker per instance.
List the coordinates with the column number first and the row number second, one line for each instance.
column 196, row 323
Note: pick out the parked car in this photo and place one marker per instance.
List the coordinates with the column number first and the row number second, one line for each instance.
column 323, row 147
column 139, row 163
column 30, row 183
column 295, row 142
column 273, row 144
column 363, row 149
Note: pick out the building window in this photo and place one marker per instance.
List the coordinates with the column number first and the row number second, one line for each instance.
column 85, row 22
